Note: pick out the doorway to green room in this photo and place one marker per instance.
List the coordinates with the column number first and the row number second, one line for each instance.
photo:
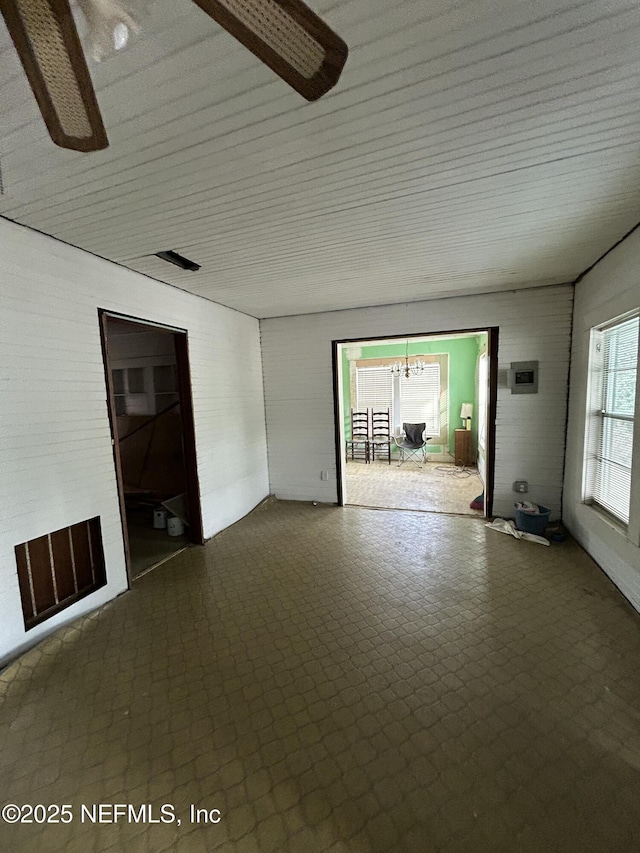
column 442, row 381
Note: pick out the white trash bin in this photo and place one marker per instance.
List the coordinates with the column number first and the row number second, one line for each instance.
column 175, row 527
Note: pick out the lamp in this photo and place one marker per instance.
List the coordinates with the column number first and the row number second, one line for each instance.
column 406, row 369
column 465, row 414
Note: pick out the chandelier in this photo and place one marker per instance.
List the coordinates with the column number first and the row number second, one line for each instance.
column 406, row 368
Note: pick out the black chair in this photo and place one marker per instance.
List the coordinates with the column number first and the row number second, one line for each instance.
column 380, row 434
column 358, row 444
column 412, row 444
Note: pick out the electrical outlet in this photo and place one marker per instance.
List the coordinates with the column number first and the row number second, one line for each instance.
column 521, row 486
column 324, row 475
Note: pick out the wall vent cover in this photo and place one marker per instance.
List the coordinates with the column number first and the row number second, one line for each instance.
column 58, row 569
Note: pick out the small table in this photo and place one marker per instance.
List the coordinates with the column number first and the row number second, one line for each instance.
column 463, row 453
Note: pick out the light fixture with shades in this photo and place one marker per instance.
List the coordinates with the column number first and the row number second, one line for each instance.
column 406, row 368
column 106, row 25
column 465, row 413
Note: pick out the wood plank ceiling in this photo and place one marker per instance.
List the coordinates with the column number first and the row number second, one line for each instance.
column 469, row 147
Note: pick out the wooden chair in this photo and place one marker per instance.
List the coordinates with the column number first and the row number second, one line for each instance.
column 380, row 442
column 358, row 444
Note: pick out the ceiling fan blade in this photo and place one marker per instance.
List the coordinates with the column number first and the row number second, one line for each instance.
column 288, row 37
column 48, row 45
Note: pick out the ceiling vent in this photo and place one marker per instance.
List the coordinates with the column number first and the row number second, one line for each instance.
column 178, row 260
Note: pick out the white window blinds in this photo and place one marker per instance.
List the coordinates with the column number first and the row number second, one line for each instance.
column 420, row 399
column 374, row 388
column 613, row 369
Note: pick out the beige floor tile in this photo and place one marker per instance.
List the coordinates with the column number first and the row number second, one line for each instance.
column 339, row 680
column 434, row 487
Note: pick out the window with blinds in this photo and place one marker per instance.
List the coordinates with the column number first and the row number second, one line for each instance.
column 612, row 397
column 374, row 389
column 411, row 400
column 420, row 399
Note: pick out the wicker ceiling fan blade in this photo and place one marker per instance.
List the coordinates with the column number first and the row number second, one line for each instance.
column 288, row 37
column 48, row 45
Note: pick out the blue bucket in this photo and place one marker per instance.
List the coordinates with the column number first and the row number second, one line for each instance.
column 533, row 522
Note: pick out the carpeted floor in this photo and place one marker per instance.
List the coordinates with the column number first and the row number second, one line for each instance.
column 435, row 487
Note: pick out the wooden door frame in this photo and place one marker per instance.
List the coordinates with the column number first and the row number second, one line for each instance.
column 492, row 333
column 181, row 345
column 490, row 473
column 181, row 341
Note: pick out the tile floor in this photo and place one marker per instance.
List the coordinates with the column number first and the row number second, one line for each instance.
column 340, row 680
column 436, row 487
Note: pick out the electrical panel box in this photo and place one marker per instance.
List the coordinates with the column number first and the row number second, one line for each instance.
column 523, row 377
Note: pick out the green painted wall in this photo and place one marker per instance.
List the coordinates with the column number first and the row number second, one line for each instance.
column 463, row 359
column 346, row 394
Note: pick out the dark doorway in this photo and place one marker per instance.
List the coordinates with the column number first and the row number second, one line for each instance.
column 150, row 407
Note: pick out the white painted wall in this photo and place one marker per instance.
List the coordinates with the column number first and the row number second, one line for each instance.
column 612, row 288
column 56, row 462
column 530, row 429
